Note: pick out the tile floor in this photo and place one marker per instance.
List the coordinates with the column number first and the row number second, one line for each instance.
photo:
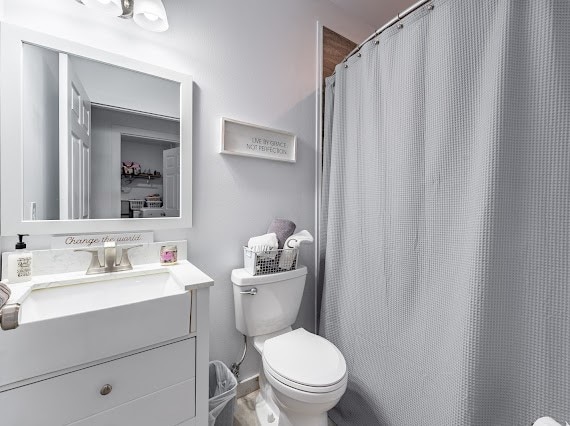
column 245, row 411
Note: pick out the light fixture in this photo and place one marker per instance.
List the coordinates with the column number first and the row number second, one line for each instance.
column 148, row 14
column 110, row 7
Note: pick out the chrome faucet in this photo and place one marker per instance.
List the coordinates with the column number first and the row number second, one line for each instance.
column 111, row 258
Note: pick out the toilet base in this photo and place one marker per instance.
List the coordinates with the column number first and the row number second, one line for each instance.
column 295, row 413
column 269, row 414
column 265, row 409
column 265, row 415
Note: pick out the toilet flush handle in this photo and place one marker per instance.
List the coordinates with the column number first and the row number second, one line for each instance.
column 251, row 292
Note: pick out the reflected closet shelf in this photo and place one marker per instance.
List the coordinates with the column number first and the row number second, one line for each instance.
column 148, row 177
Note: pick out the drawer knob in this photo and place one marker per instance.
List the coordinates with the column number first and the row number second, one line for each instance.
column 106, row 390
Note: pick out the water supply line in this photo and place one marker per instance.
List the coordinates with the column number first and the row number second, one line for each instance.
column 235, row 366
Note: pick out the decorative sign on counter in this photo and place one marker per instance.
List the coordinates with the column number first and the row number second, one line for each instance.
column 256, row 141
column 97, row 240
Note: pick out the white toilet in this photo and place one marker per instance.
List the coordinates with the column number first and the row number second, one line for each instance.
column 304, row 375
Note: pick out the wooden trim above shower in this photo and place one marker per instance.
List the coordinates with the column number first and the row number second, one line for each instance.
column 335, row 49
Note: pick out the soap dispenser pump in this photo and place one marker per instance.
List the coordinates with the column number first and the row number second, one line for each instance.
column 20, row 262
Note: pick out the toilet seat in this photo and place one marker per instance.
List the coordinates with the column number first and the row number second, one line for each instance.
column 304, row 361
column 302, row 387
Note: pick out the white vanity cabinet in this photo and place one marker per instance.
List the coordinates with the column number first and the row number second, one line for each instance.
column 152, row 387
column 159, row 381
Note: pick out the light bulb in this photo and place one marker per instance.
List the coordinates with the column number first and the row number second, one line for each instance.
column 150, row 16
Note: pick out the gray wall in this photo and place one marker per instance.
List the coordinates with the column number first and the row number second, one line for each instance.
column 253, row 61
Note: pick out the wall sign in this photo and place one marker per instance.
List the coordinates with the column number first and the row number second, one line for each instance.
column 97, row 240
column 249, row 140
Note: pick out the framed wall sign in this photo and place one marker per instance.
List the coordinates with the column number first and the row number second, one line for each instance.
column 249, row 140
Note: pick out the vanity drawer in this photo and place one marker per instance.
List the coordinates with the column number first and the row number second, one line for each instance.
column 168, row 407
column 77, row 395
column 71, row 340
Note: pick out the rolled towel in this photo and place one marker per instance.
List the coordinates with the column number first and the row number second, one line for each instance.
column 283, row 228
column 4, row 294
column 264, row 245
column 293, row 242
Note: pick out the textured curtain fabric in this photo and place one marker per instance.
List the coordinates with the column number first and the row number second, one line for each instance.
column 446, row 217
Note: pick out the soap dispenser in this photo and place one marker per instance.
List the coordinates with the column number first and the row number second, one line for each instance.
column 20, row 262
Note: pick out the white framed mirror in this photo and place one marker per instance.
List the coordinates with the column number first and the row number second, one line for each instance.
column 91, row 141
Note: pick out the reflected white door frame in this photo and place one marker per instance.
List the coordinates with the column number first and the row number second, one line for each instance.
column 74, row 143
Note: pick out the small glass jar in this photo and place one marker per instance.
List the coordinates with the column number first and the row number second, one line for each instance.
column 168, row 255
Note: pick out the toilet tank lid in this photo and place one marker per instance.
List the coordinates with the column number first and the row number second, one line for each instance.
column 241, row 277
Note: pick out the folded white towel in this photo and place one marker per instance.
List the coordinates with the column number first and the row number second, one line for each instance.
column 293, row 242
column 264, row 245
column 547, row 421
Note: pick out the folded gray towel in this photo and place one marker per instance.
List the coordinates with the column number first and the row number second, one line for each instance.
column 283, row 228
column 4, row 294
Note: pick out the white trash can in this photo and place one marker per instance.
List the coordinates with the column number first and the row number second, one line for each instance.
column 222, row 394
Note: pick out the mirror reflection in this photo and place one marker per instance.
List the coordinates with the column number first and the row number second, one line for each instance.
column 99, row 141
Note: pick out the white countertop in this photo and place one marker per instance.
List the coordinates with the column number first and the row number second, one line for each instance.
column 184, row 273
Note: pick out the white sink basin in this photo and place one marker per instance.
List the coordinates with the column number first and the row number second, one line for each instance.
column 72, row 319
column 61, row 301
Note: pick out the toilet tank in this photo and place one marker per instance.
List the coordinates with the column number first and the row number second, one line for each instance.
column 274, row 306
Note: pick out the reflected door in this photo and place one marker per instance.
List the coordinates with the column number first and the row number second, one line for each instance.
column 171, row 181
column 74, row 143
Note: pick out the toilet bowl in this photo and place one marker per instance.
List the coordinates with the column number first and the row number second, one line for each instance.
column 304, row 375
column 307, row 375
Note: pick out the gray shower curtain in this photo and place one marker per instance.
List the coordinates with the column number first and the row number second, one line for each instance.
column 446, row 217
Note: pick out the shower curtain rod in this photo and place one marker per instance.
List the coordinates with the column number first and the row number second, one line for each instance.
column 388, row 24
